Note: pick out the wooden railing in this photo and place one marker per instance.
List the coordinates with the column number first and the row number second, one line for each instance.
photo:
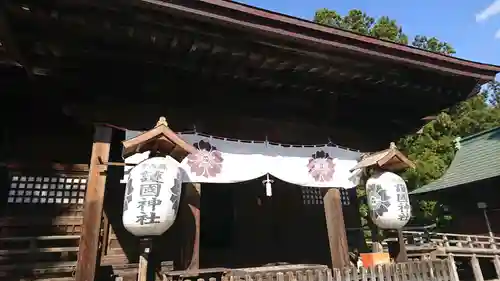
column 443, row 244
column 458, row 244
column 434, row 245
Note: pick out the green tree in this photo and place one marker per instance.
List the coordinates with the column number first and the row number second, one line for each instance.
column 359, row 22
column 432, row 44
column 328, row 17
column 433, row 148
column 493, row 90
column 388, row 29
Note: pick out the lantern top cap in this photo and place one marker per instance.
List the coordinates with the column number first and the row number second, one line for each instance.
column 161, row 139
column 390, row 159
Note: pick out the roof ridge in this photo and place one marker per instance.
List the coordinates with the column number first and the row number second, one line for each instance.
column 476, row 135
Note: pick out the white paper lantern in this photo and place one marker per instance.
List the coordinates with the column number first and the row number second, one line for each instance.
column 388, row 200
column 152, row 196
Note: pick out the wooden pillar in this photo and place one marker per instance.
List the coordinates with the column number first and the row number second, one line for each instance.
column 191, row 227
column 337, row 236
column 92, row 213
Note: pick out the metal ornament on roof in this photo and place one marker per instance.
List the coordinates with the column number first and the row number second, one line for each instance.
column 152, row 196
column 388, row 200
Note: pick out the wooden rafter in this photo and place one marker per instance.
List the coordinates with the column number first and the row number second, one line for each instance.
column 268, row 20
column 148, row 27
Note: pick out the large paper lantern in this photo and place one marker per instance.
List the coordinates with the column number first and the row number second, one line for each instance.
column 388, row 200
column 152, row 196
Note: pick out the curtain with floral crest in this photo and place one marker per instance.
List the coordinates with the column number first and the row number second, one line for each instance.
column 230, row 161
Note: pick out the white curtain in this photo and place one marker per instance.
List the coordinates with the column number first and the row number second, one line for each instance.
column 227, row 161
column 323, row 166
column 222, row 161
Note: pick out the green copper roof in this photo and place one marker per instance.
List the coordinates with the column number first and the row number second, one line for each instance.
column 477, row 158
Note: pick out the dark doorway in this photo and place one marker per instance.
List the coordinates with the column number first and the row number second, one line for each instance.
column 242, row 227
column 217, row 225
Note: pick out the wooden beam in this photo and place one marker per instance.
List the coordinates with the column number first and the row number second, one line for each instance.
column 190, row 257
column 93, row 206
column 60, row 167
column 136, row 116
column 337, row 236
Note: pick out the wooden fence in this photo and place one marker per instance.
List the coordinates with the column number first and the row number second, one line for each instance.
column 436, row 270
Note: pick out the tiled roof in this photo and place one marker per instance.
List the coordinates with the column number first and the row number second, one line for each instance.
column 478, row 158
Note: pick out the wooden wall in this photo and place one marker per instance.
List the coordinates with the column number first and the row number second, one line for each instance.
column 41, row 205
column 462, row 201
column 474, row 223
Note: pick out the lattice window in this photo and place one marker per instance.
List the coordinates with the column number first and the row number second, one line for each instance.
column 344, row 196
column 313, row 196
column 60, row 189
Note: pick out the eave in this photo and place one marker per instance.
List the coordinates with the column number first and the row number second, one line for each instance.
column 320, row 37
column 227, row 51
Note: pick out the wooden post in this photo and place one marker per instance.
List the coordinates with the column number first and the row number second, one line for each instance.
column 191, row 249
column 337, row 237
column 146, row 244
column 375, row 234
column 402, row 254
column 92, row 213
column 476, row 268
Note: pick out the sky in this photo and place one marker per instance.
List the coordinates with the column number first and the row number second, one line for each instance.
column 472, row 27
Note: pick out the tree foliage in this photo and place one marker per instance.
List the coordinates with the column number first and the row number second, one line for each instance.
column 432, row 44
column 433, row 148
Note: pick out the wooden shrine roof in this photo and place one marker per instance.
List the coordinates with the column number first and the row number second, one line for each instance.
column 477, row 159
column 274, row 24
column 270, row 65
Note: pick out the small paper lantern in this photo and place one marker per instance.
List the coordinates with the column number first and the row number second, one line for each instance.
column 152, row 196
column 388, row 200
